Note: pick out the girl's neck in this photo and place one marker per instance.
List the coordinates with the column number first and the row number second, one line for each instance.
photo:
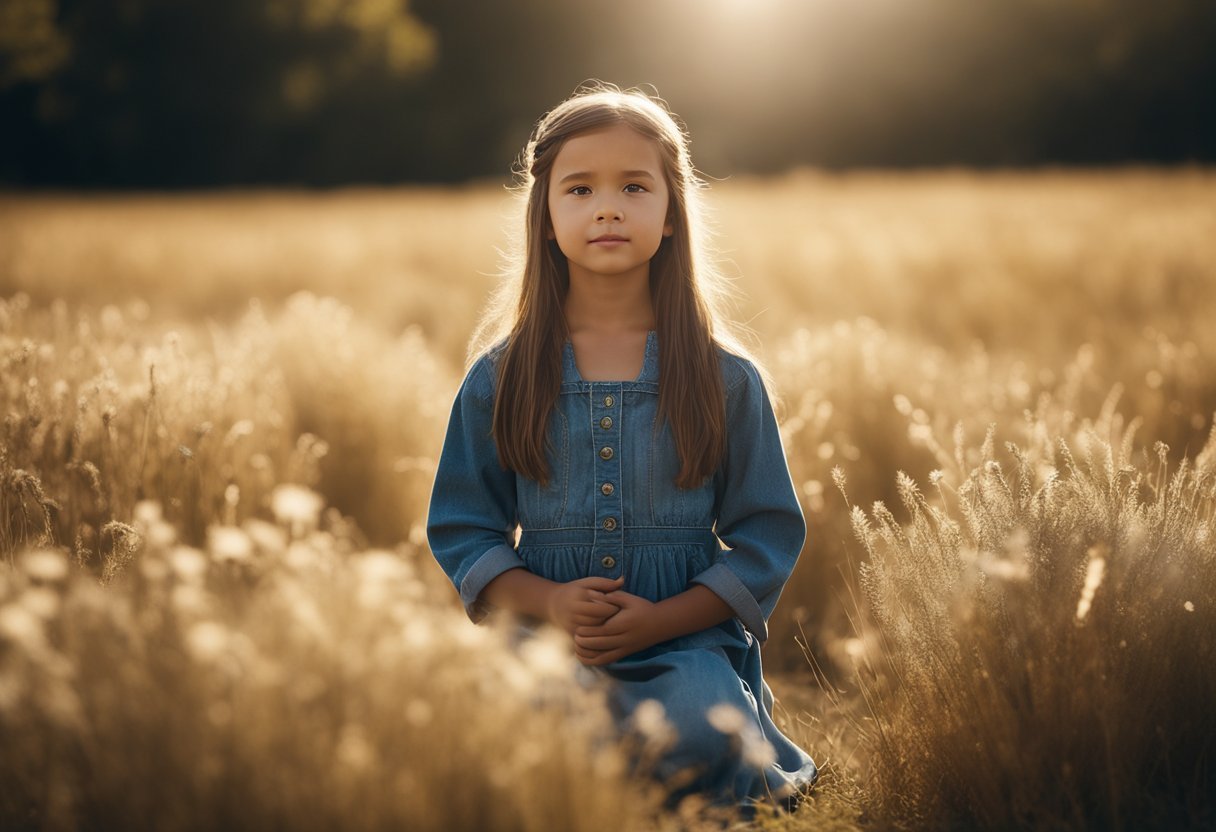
column 609, row 303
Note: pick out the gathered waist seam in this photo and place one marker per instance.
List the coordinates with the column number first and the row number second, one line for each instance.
column 633, row 536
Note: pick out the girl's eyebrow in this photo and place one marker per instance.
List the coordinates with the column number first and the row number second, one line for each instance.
column 625, row 174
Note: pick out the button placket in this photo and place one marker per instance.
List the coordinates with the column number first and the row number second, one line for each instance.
column 609, row 528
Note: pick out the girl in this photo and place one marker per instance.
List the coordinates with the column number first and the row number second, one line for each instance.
column 622, row 429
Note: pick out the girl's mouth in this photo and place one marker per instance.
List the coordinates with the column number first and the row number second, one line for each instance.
column 609, row 240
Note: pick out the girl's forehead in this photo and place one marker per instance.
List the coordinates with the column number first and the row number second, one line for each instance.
column 615, row 147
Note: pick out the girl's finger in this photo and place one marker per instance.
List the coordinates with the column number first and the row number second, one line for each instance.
column 597, row 642
column 606, row 658
column 603, row 584
column 589, row 618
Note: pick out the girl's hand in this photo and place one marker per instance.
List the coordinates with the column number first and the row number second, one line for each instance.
column 635, row 627
column 583, row 603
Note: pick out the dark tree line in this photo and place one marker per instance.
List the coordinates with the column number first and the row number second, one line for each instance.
column 184, row 93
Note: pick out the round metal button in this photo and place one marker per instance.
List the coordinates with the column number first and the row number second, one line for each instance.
column 606, row 489
column 605, row 452
column 609, row 401
column 608, row 561
column 606, row 422
column 609, row 523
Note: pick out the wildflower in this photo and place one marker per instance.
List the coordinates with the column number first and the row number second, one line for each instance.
column 546, row 655
column 148, row 512
column 45, row 565
column 239, row 430
column 229, row 543
column 650, row 719
column 1188, row 606
column 757, row 751
column 297, row 507
column 267, row 537
column 188, row 564
column 382, row 576
column 20, row 626
column 726, row 718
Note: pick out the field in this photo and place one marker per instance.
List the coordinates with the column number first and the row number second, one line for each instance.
column 221, row 418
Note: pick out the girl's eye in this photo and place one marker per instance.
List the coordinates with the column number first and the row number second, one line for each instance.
column 580, row 190
column 635, row 188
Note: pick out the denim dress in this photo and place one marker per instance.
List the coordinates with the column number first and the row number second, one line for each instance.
column 611, row 508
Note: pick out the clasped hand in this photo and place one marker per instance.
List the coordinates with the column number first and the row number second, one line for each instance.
column 605, row 622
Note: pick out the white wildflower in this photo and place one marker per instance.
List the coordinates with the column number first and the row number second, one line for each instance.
column 757, row 751
column 296, row 507
column 650, row 719
column 726, row 718
column 229, row 543
column 547, row 655
column 267, row 537
column 45, row 565
column 22, row 627
column 188, row 564
column 148, row 512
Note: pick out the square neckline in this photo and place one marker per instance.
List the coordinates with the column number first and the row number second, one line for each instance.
column 649, row 371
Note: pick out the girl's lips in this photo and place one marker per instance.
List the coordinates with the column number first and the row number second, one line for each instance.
column 609, row 239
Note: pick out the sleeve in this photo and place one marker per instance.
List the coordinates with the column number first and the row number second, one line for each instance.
column 758, row 515
column 472, row 514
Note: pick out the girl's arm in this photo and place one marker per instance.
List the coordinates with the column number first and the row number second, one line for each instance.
column 471, row 521
column 758, row 514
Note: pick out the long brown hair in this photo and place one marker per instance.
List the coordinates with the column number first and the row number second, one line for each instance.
column 686, row 291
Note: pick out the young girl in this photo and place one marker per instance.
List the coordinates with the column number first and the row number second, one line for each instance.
column 621, row 428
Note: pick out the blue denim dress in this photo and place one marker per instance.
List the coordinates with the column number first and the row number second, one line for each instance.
column 611, row 508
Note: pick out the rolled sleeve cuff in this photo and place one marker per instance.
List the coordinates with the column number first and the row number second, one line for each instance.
column 488, row 567
column 726, row 585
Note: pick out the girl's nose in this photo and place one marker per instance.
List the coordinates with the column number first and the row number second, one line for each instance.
column 608, row 213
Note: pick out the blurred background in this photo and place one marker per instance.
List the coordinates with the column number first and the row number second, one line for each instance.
column 200, row 93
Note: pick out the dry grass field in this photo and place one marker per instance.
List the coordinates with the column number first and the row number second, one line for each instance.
column 221, row 418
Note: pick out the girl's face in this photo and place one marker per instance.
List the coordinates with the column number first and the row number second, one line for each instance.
column 608, row 201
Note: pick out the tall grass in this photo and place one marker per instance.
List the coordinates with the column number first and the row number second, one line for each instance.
column 1046, row 634
column 109, row 408
column 275, row 680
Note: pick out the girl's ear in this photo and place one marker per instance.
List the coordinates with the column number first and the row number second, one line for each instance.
column 667, row 230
